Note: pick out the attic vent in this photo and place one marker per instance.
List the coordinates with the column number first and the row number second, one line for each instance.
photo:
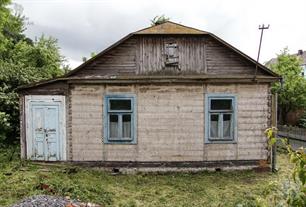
column 171, row 50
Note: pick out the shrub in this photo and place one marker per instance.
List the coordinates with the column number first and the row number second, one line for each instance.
column 294, row 192
column 302, row 121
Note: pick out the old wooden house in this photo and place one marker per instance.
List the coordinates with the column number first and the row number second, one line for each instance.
column 165, row 96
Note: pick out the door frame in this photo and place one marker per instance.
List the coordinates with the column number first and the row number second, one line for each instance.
column 46, row 99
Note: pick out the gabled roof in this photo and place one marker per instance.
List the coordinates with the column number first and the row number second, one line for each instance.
column 170, row 28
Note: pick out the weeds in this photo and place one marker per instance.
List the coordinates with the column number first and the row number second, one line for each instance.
column 19, row 179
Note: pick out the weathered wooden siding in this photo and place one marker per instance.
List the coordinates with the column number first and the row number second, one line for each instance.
column 22, row 127
column 191, row 53
column 145, row 55
column 170, row 123
column 222, row 60
column 55, row 88
column 120, row 60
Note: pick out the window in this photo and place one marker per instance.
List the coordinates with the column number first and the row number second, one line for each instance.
column 220, row 118
column 119, row 119
column 171, row 54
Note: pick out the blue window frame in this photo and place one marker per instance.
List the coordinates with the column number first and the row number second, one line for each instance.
column 119, row 119
column 220, row 118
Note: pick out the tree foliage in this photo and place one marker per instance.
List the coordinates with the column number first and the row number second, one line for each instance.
column 22, row 61
column 302, row 121
column 159, row 20
column 292, row 91
column 92, row 54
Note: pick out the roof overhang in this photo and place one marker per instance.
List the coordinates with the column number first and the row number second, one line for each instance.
column 157, row 79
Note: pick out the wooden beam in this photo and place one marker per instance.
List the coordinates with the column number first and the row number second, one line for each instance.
column 274, row 124
column 274, row 110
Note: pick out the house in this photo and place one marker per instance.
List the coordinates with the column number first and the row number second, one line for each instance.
column 302, row 56
column 167, row 96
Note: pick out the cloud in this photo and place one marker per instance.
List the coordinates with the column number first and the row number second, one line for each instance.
column 89, row 26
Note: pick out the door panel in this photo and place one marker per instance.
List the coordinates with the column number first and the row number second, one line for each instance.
column 51, row 132
column 45, row 132
column 38, row 129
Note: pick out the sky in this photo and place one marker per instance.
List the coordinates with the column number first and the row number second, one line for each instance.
column 86, row 26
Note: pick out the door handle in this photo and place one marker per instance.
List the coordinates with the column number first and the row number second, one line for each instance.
column 50, row 130
column 39, row 129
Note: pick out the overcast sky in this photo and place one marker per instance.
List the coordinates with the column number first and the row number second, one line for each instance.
column 85, row 26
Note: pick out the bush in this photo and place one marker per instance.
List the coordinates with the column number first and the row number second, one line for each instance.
column 294, row 192
column 302, row 121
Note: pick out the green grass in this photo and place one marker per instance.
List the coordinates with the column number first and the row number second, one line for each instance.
column 19, row 179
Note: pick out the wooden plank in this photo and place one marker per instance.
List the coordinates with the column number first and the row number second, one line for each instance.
column 120, row 59
column 22, row 117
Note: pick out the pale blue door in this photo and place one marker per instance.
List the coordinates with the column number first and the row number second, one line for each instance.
column 45, row 122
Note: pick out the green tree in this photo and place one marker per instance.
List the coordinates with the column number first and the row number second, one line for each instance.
column 292, row 91
column 159, row 20
column 22, row 61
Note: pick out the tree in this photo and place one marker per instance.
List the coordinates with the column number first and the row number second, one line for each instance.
column 22, row 61
column 292, row 91
column 92, row 54
column 159, row 20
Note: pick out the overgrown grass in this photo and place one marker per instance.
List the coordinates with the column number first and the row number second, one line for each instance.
column 19, row 179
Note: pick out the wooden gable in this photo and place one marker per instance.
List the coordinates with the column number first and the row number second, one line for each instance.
column 144, row 55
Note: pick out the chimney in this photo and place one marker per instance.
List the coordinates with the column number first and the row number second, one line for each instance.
column 300, row 52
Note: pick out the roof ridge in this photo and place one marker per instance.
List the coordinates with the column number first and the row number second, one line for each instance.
column 182, row 30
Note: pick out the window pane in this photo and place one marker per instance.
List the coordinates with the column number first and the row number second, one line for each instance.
column 113, row 126
column 221, row 104
column 126, row 125
column 227, row 119
column 120, row 104
column 214, row 128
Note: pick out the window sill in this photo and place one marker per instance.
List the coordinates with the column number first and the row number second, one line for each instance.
column 120, row 142
column 221, row 142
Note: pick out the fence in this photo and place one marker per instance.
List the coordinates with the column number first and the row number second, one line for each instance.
column 296, row 136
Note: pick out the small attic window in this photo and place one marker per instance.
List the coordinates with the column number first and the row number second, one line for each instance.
column 171, row 50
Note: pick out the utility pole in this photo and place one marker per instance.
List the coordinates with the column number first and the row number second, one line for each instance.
column 262, row 28
column 274, row 101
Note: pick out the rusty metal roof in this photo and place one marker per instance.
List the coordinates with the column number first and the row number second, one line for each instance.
column 170, row 28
